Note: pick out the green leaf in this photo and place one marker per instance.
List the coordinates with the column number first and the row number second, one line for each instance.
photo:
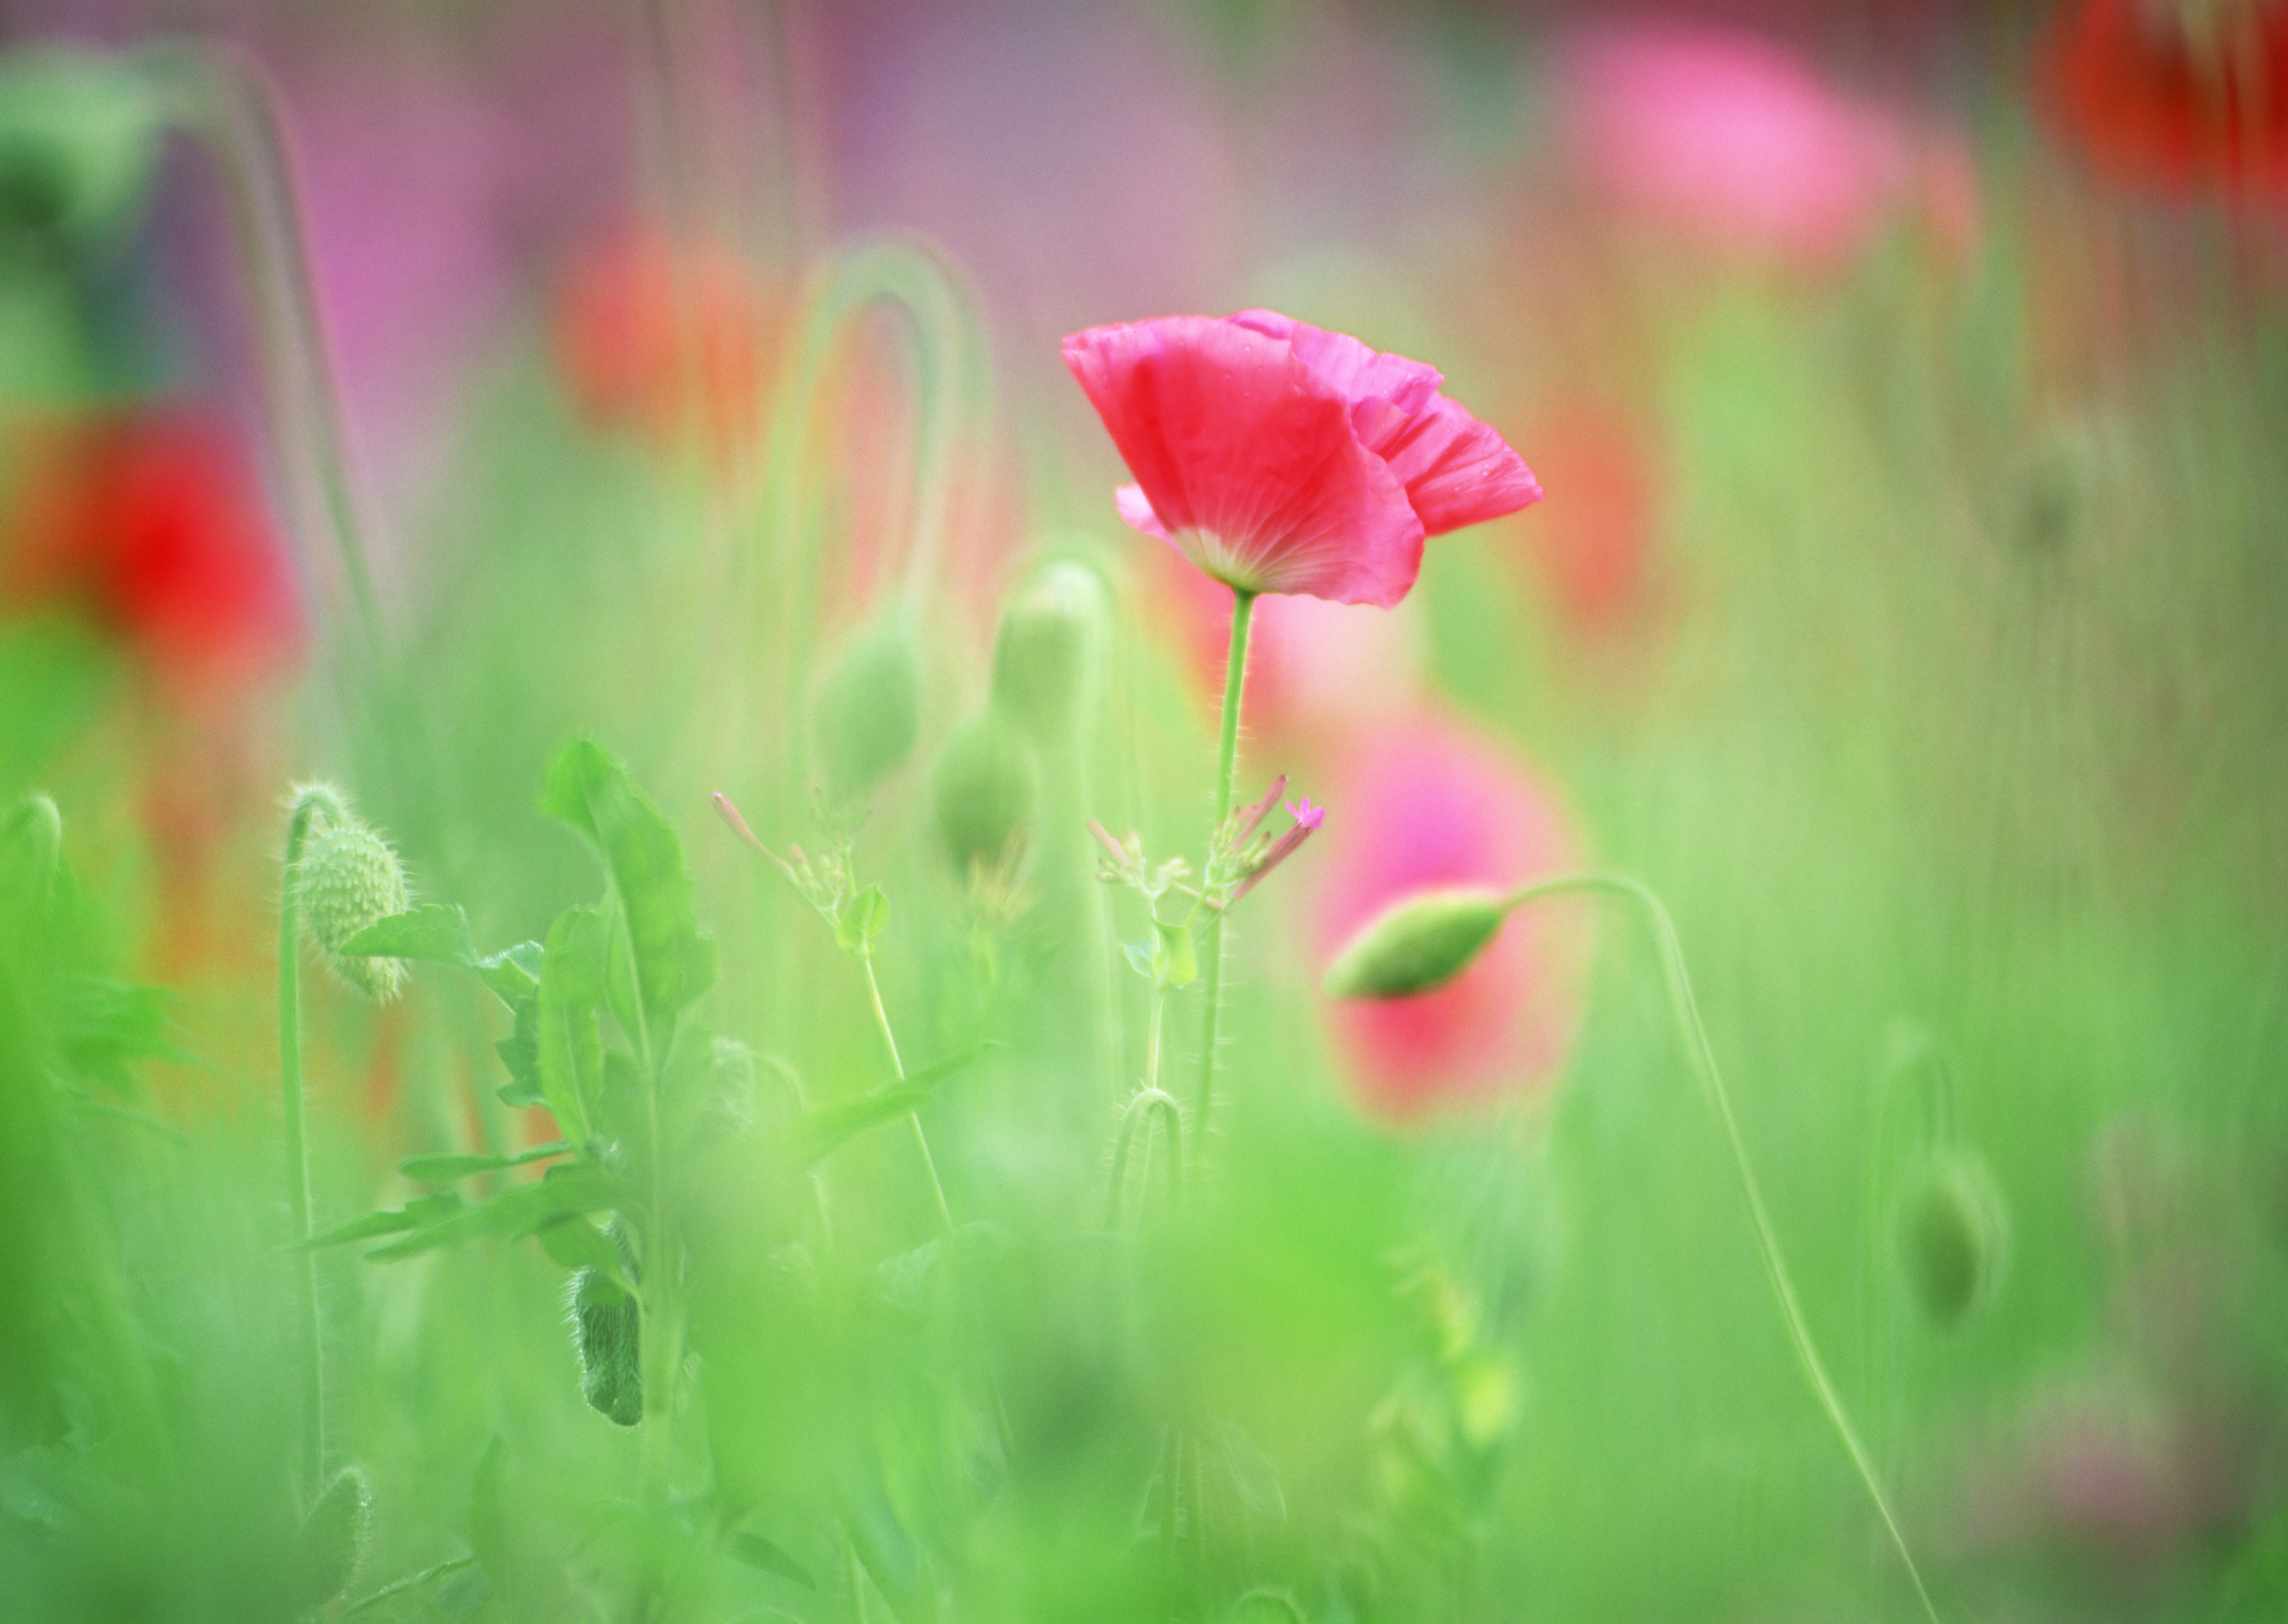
column 520, row 1210
column 447, row 1167
column 513, row 974
column 590, row 791
column 758, row 1552
column 576, row 1243
column 436, row 932
column 862, row 919
column 413, row 1215
column 1174, row 961
column 1140, row 957
column 815, row 1134
column 568, row 1058
column 520, row 1051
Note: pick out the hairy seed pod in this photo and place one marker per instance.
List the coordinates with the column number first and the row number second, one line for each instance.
column 331, row 1541
column 1417, row 945
column 349, row 879
column 869, row 712
column 983, row 789
column 608, row 1327
column 1954, row 1238
column 1046, row 652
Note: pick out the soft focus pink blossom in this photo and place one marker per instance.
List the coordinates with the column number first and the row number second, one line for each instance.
column 1279, row 457
column 1427, row 803
column 1731, row 138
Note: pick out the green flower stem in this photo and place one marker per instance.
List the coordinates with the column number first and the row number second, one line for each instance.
column 313, row 1398
column 1234, row 675
column 1687, row 1011
column 913, row 1118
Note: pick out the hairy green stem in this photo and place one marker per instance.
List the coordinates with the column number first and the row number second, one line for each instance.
column 1687, row 1011
column 1234, row 675
column 913, row 1118
column 312, row 1380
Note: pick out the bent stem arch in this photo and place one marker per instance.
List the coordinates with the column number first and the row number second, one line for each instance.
column 1686, row 1010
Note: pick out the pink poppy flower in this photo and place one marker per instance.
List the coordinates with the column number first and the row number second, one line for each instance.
column 1731, row 138
column 1424, row 804
column 1279, row 457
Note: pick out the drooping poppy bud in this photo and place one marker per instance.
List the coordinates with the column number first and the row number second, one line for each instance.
column 985, row 787
column 79, row 144
column 349, row 878
column 1417, row 945
column 1046, row 652
column 1954, row 1238
column 331, row 1541
column 608, row 1329
column 869, row 712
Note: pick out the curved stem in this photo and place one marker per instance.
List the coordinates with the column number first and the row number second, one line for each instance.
column 309, row 802
column 913, row 1118
column 1146, row 1101
column 1234, row 675
column 223, row 97
column 1687, row 1011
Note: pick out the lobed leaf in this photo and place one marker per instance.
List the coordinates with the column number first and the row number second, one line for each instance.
column 434, row 932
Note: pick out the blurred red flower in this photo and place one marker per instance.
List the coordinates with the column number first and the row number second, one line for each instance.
column 1427, row 803
column 146, row 522
column 1279, row 457
column 2172, row 96
column 669, row 340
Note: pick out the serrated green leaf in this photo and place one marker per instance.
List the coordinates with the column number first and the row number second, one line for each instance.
column 445, row 1166
column 520, row 1051
column 413, row 1215
column 513, row 973
column 435, row 932
column 518, row 1211
column 568, row 1051
column 590, row 791
column 862, row 918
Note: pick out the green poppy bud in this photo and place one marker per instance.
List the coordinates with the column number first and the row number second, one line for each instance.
column 868, row 711
column 984, row 789
column 1045, row 653
column 79, row 145
column 1953, row 1237
column 608, row 1329
column 348, row 879
column 1416, row 945
column 331, row 1541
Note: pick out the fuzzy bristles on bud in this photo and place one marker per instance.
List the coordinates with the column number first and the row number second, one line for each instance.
column 1416, row 945
column 608, row 1329
column 349, row 878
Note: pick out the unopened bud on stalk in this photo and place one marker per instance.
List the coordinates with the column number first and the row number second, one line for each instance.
column 79, row 145
column 331, row 1541
column 607, row 1328
column 984, row 787
column 868, row 711
column 349, row 878
column 1046, row 652
column 1954, row 1238
column 1417, row 945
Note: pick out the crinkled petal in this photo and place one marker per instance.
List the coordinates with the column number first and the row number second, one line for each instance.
column 1457, row 471
column 1350, row 368
column 1247, row 457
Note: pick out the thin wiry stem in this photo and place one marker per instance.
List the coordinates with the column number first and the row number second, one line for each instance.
column 913, row 1118
column 1687, row 1011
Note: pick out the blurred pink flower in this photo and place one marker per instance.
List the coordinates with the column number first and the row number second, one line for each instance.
column 1732, row 138
column 1279, row 457
column 1427, row 803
